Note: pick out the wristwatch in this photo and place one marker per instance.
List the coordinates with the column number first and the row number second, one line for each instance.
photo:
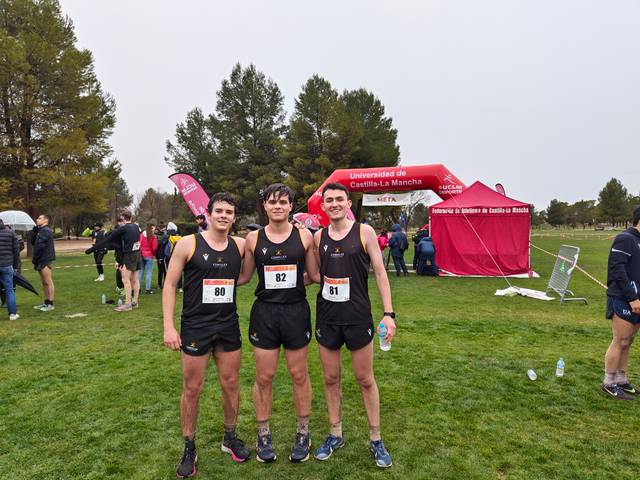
column 389, row 314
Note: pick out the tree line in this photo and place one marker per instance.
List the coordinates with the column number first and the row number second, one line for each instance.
column 613, row 206
column 55, row 120
column 247, row 142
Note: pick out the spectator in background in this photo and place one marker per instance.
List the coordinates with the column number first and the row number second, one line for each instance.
column 44, row 253
column 98, row 255
column 148, row 249
column 202, row 223
column 160, row 233
column 426, row 257
column 383, row 242
column 398, row 244
column 9, row 262
column 420, row 234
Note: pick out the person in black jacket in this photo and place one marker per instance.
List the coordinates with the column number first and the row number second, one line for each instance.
column 44, row 253
column 623, row 309
column 9, row 262
column 98, row 255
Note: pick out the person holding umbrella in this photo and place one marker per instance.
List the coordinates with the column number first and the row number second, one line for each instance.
column 9, row 262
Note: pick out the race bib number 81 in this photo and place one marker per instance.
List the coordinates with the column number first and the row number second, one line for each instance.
column 336, row 289
column 280, row 276
column 215, row 290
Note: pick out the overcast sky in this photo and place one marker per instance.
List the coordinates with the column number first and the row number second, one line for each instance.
column 540, row 95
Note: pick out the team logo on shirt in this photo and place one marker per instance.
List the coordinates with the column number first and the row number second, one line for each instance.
column 337, row 253
column 325, row 247
column 205, row 256
column 219, row 263
column 264, row 251
column 278, row 252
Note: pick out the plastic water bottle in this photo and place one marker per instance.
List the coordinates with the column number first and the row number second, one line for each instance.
column 104, row 299
column 560, row 368
column 382, row 332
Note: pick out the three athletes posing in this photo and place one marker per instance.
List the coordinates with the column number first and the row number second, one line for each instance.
column 215, row 263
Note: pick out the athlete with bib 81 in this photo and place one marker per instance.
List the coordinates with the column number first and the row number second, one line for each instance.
column 344, row 250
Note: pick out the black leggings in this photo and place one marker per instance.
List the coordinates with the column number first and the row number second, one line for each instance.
column 98, row 257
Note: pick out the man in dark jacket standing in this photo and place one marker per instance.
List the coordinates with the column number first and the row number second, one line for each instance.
column 9, row 262
column 623, row 309
column 44, row 253
column 398, row 243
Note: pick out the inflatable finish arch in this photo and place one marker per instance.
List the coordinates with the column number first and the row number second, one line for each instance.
column 435, row 177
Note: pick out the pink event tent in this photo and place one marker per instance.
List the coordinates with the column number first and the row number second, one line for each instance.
column 500, row 222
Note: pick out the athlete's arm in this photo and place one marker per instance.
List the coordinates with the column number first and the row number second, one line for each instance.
column 316, row 249
column 310, row 260
column 248, row 261
column 371, row 245
column 179, row 258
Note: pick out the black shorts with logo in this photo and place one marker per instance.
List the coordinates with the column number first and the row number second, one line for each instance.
column 354, row 337
column 200, row 341
column 131, row 260
column 275, row 324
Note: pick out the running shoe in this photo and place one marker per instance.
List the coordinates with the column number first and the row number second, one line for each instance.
column 14, row 316
column 134, row 304
column 264, row 449
column 383, row 459
column 330, row 444
column 39, row 307
column 125, row 307
column 300, row 449
column 616, row 391
column 187, row 467
column 235, row 446
column 630, row 388
column 46, row 307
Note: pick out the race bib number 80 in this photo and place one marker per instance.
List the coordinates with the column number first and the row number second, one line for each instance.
column 280, row 276
column 336, row 289
column 216, row 290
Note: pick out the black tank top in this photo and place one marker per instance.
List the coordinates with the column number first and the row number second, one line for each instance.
column 210, row 279
column 343, row 298
column 280, row 268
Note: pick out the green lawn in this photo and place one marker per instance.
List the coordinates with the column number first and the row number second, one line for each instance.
column 97, row 397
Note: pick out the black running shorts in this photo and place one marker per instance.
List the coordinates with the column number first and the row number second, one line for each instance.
column 201, row 341
column 622, row 309
column 131, row 261
column 354, row 337
column 275, row 324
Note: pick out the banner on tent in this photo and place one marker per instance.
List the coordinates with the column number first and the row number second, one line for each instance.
column 386, row 199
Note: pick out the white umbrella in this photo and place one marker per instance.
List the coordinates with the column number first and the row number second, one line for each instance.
column 17, row 219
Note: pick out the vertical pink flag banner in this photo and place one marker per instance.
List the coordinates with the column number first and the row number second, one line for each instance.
column 192, row 192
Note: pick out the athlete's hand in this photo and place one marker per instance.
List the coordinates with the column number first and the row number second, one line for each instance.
column 391, row 328
column 635, row 306
column 172, row 339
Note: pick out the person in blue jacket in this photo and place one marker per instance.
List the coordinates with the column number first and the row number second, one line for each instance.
column 426, row 252
column 398, row 243
column 623, row 309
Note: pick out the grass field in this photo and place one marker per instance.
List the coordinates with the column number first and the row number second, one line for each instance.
column 97, row 397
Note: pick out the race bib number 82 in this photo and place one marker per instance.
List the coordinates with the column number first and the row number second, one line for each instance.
column 280, row 276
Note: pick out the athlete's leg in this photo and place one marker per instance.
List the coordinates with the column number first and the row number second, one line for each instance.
column 362, row 363
column 618, row 351
column 193, row 374
column 624, row 356
column 330, row 360
column 299, row 372
column 228, row 365
column 47, row 283
column 266, row 367
column 135, row 285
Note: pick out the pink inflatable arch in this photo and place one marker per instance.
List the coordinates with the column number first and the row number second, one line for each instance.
column 435, row 177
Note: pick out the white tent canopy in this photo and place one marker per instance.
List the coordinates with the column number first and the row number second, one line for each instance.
column 17, row 219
